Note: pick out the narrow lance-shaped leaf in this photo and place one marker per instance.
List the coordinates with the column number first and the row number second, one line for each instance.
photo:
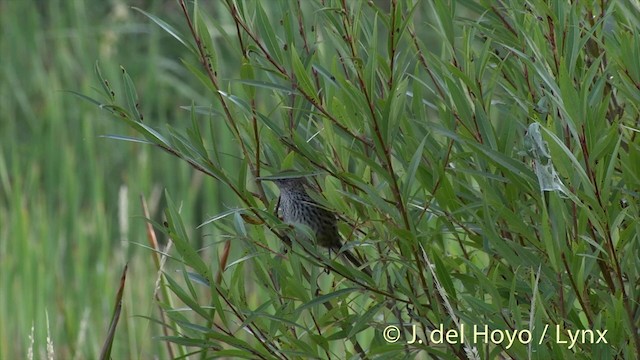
column 302, row 77
column 168, row 28
column 130, row 94
column 179, row 236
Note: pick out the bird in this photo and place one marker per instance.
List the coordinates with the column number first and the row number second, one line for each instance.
column 297, row 207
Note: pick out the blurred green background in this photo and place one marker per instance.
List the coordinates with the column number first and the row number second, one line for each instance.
column 70, row 215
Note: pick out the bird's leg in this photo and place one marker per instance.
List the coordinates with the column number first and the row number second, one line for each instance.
column 277, row 213
column 326, row 268
column 277, row 209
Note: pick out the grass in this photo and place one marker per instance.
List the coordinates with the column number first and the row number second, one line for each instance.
column 484, row 160
column 67, row 229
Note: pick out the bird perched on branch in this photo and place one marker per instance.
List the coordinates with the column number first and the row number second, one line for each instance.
column 297, row 207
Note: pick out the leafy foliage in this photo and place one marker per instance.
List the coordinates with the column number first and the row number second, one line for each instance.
column 483, row 157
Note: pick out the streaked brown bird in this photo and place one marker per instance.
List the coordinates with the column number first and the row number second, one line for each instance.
column 297, row 207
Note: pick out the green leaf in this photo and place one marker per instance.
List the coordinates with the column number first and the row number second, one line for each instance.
column 84, row 97
column 265, row 85
column 106, row 87
column 412, row 168
column 302, row 77
column 178, row 233
column 205, row 37
column 127, row 138
column 203, row 77
column 265, row 29
column 168, row 28
column 130, row 94
column 187, row 299
column 326, row 298
column 248, row 75
column 365, row 320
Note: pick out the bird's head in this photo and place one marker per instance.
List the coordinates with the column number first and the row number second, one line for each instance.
column 291, row 184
